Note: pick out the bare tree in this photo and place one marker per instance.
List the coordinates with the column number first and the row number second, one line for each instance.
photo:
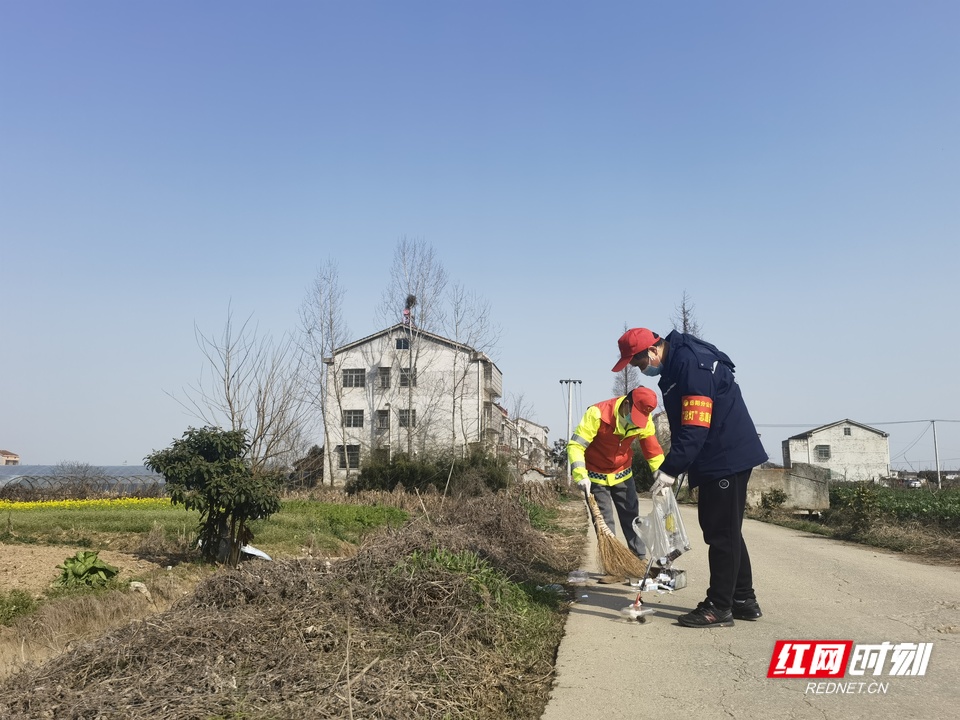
column 468, row 324
column 417, row 282
column 251, row 384
column 684, row 320
column 323, row 330
column 519, row 409
column 81, row 477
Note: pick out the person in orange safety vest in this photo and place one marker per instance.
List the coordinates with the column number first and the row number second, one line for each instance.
column 601, row 457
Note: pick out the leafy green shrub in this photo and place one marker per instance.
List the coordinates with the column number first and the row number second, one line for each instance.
column 463, row 477
column 855, row 507
column 85, row 569
column 773, row 499
column 208, row 470
column 14, row 604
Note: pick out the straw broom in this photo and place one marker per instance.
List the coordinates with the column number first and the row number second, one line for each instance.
column 615, row 557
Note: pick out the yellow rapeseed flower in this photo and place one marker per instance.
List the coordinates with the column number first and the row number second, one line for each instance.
column 92, row 503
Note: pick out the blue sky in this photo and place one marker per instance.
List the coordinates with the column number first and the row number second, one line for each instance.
column 793, row 167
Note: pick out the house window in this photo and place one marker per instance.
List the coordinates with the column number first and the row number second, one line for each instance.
column 349, row 456
column 408, row 377
column 846, row 432
column 407, row 418
column 354, row 378
column 403, row 343
column 353, row 418
column 822, row 451
column 383, row 419
column 384, row 375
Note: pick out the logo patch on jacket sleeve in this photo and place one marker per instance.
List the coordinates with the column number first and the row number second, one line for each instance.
column 696, row 410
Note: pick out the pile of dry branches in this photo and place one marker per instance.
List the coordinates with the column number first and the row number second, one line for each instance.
column 372, row 636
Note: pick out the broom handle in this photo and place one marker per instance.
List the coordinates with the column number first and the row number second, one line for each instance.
column 683, row 476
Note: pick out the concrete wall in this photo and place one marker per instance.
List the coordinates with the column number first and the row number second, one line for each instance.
column 807, row 487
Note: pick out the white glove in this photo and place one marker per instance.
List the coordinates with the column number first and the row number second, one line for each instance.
column 585, row 485
column 661, row 482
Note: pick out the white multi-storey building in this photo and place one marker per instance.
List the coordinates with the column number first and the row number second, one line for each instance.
column 405, row 390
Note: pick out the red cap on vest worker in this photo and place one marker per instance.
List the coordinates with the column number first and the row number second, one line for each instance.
column 643, row 401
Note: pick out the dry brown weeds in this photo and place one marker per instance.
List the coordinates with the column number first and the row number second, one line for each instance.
column 354, row 639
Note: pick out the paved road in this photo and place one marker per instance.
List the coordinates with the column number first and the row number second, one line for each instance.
column 809, row 588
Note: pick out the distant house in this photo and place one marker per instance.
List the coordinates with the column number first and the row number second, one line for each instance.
column 407, row 390
column 9, row 458
column 532, row 443
column 850, row 450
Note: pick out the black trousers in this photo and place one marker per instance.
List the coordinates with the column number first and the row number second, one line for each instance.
column 720, row 510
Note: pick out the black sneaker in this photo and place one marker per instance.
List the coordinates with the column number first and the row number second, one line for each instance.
column 746, row 609
column 707, row 615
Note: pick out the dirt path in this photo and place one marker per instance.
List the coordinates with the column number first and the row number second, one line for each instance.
column 32, row 568
column 59, row 625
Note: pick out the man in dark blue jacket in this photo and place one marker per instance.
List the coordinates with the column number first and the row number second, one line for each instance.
column 712, row 439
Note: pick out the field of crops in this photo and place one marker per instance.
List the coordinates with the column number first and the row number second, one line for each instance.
column 939, row 510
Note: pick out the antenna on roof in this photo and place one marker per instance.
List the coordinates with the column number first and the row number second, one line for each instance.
column 407, row 309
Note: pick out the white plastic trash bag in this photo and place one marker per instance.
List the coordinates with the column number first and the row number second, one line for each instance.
column 662, row 530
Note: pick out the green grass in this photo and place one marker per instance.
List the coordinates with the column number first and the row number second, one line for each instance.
column 323, row 526
column 542, row 518
column 15, row 603
column 298, row 524
column 59, row 525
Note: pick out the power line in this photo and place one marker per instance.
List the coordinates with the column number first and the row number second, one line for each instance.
column 816, row 425
column 910, row 446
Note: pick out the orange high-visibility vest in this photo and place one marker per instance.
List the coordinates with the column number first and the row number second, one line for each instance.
column 599, row 446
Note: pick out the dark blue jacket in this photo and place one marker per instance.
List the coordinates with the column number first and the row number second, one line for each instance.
column 711, row 432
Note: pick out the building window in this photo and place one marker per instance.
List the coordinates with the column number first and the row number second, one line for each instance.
column 384, row 375
column 403, row 343
column 354, row 378
column 822, row 451
column 383, row 419
column 349, row 456
column 408, row 377
column 353, row 418
column 407, row 418
column 846, row 431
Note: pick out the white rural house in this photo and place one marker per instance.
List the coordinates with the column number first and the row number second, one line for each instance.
column 533, row 444
column 849, row 450
column 407, row 390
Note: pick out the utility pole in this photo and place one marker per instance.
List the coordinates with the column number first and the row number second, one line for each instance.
column 936, row 453
column 569, row 384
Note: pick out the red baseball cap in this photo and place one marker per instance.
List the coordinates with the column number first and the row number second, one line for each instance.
column 632, row 342
column 643, row 401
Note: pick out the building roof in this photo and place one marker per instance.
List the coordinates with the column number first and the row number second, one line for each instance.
column 420, row 333
column 808, row 433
